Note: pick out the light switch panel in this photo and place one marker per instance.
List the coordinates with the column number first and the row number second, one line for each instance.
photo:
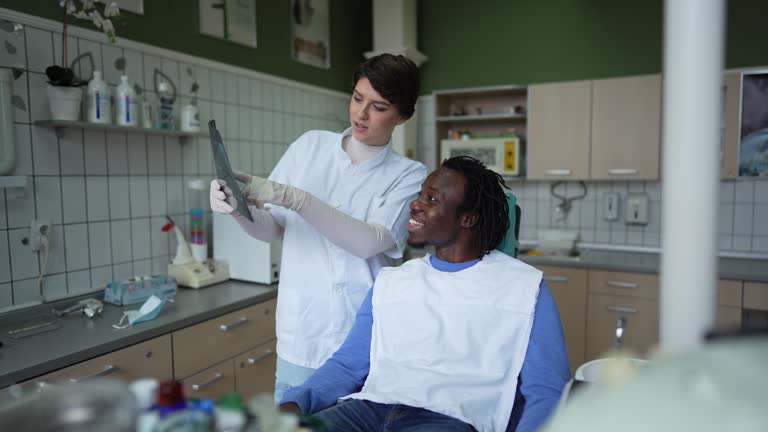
column 637, row 209
column 611, row 206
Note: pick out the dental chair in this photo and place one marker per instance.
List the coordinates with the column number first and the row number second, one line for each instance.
column 511, row 244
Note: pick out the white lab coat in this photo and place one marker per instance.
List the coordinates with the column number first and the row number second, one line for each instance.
column 452, row 343
column 321, row 285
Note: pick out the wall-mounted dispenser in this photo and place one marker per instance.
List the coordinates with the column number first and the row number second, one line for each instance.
column 7, row 146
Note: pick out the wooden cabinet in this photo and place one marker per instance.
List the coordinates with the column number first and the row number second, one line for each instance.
column 199, row 346
column 255, row 371
column 616, row 295
column 569, row 288
column 211, row 383
column 626, row 128
column 756, row 295
column 728, row 313
column 149, row 359
column 559, row 123
column 731, row 127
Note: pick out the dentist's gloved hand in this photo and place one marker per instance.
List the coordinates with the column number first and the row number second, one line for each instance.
column 221, row 198
column 259, row 191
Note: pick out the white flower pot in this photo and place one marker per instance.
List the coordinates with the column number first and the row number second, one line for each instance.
column 65, row 102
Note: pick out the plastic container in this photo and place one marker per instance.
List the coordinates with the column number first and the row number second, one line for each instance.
column 197, row 220
column 146, row 113
column 166, row 120
column 145, row 392
column 99, row 100
column 127, row 107
column 190, row 118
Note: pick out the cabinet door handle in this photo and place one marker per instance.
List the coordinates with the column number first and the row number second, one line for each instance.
column 556, row 278
column 557, row 172
column 108, row 369
column 216, row 377
column 241, row 321
column 621, row 309
column 623, row 171
column 619, row 284
column 266, row 354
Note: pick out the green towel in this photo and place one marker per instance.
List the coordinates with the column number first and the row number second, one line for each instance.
column 510, row 244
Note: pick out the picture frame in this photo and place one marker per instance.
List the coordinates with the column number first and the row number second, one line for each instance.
column 310, row 32
column 231, row 20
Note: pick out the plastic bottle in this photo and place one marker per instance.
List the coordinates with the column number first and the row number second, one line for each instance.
column 145, row 392
column 197, row 220
column 190, row 118
column 230, row 413
column 127, row 107
column 99, row 100
column 166, row 119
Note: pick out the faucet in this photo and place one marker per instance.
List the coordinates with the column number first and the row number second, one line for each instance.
column 620, row 324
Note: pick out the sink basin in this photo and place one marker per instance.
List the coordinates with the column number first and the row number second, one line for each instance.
column 609, row 369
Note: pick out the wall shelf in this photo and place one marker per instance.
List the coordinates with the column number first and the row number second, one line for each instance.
column 16, row 186
column 60, row 125
column 480, row 117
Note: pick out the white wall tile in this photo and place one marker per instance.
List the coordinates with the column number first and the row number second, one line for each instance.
column 745, row 191
column 101, row 276
column 159, row 239
column 742, row 219
column 150, row 64
column 267, row 92
column 760, row 244
column 587, row 235
column 137, row 154
column 99, row 244
column 3, row 217
column 219, row 114
column 156, row 155
column 76, row 240
column 97, row 198
column 218, row 90
column 48, row 198
column 635, row 236
column 39, row 109
column 602, row 236
column 725, row 218
column 618, row 236
column 142, row 267
column 73, row 199
column 86, row 46
column 45, row 151
column 13, row 48
column 654, row 216
column 95, row 149
column 742, row 243
column 140, row 239
column 121, row 272
column 160, row 265
column 588, row 214
column 134, row 67
column 121, row 241
column 256, row 99
column 139, row 191
column 244, row 157
column 5, row 259
column 232, row 120
column 761, row 191
column 205, row 158
column 172, row 156
column 21, row 210
column 243, row 90
column 25, row 291
column 79, row 281
column 170, row 67
column 56, row 257
column 175, row 197
column 230, row 87
column 6, row 295
column 23, row 137
column 40, row 49
column 727, row 191
column 71, row 150
column 157, row 196
column 110, row 54
column 23, row 259
column 203, row 76
column 21, row 93
column 760, row 220
column 119, row 198
column 725, row 242
column 117, row 154
column 651, row 239
column 189, row 162
column 278, row 98
column 55, row 286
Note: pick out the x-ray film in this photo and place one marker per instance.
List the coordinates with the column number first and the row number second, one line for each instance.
column 224, row 170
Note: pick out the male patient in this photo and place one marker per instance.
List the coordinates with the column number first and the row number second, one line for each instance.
column 465, row 338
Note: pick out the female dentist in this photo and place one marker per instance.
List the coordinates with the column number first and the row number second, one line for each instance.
column 340, row 204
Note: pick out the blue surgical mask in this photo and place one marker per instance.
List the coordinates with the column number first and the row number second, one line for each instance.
column 148, row 311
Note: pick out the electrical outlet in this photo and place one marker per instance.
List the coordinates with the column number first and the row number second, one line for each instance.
column 611, row 206
column 637, row 209
column 37, row 230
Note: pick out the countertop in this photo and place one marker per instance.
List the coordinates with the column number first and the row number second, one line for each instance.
column 729, row 268
column 79, row 338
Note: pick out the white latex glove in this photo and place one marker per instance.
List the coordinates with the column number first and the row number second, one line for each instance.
column 221, row 198
column 259, row 191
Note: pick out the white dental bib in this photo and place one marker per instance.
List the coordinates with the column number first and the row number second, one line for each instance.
column 452, row 343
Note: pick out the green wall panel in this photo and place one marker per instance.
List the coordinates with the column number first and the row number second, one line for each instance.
column 492, row 42
column 173, row 24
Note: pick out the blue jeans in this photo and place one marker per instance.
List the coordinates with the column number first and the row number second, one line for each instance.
column 353, row 415
column 289, row 375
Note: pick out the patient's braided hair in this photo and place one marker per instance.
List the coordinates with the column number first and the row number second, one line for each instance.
column 483, row 194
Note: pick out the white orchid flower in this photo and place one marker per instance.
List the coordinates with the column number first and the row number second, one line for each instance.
column 111, row 10
column 98, row 21
column 108, row 27
column 81, row 15
column 89, row 4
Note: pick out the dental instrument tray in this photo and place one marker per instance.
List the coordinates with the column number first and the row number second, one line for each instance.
column 139, row 289
column 224, row 169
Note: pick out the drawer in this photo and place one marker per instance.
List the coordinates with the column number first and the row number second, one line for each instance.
column 255, row 371
column 756, row 295
column 729, row 293
column 641, row 331
column 638, row 285
column 150, row 359
column 211, row 383
column 199, row 346
column 569, row 289
column 728, row 317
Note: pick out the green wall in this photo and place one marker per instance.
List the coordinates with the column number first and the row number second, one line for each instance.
column 173, row 24
column 492, row 42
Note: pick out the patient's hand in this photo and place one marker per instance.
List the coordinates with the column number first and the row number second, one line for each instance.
column 290, row 407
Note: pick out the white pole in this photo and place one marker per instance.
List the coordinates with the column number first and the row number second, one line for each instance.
column 693, row 65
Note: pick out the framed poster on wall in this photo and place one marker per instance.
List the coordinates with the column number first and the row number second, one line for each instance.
column 232, row 20
column 753, row 147
column 310, row 32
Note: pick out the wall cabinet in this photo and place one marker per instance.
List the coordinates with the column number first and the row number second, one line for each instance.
column 601, row 130
column 731, row 127
column 569, row 288
column 255, row 371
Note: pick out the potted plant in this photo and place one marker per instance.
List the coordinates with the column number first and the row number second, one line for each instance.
column 64, row 92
